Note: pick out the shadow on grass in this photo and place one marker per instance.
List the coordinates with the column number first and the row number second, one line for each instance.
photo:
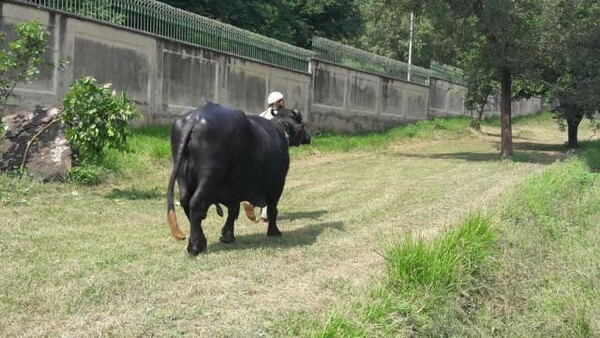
column 499, row 135
column 540, row 146
column 528, row 152
column 292, row 216
column 465, row 156
column 133, row 194
column 298, row 237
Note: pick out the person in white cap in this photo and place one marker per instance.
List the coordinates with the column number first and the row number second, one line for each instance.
column 275, row 103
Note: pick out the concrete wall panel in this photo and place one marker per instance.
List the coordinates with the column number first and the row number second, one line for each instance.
column 416, row 104
column 125, row 68
column 111, row 55
column 294, row 89
column 188, row 81
column 392, row 99
column 330, row 87
column 363, row 93
column 456, row 101
column 245, row 89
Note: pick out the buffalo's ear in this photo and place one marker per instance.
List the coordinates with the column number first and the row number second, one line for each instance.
column 297, row 115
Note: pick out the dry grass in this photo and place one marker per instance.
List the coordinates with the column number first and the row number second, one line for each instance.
column 80, row 261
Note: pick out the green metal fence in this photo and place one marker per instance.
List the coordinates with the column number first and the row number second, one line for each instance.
column 447, row 73
column 356, row 58
column 174, row 23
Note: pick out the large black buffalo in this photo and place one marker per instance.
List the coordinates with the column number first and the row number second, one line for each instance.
column 223, row 156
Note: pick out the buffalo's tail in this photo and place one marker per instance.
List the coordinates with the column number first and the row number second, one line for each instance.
column 171, row 216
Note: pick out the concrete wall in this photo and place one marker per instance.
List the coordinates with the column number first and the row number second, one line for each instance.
column 447, row 99
column 353, row 101
column 163, row 77
column 167, row 78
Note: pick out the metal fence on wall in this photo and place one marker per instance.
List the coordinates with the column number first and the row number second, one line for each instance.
column 356, row 58
column 174, row 23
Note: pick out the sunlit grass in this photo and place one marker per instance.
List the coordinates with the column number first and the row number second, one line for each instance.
column 97, row 260
column 531, row 275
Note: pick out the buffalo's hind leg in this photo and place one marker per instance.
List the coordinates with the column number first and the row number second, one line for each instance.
column 227, row 233
column 272, row 229
column 197, row 243
column 198, row 209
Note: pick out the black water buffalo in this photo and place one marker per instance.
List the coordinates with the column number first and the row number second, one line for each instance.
column 223, row 156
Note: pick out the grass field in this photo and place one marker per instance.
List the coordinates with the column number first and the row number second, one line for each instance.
column 98, row 260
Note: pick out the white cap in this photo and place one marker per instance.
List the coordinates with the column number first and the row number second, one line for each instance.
column 274, row 97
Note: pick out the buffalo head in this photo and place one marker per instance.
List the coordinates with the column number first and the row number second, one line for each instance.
column 295, row 128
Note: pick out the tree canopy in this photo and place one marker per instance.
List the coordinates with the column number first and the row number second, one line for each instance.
column 569, row 50
column 291, row 21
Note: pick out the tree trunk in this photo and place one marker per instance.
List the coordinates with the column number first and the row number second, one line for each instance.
column 476, row 118
column 572, row 128
column 505, row 112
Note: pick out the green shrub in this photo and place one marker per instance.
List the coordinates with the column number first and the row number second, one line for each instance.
column 96, row 118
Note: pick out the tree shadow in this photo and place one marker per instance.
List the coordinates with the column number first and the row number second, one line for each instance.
column 529, row 152
column 540, row 153
column 298, row 237
column 134, row 194
column 465, row 156
column 499, row 136
column 540, row 146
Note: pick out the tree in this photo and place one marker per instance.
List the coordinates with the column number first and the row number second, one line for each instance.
column 387, row 33
column 480, row 82
column 22, row 60
column 502, row 32
column 569, row 50
column 291, row 21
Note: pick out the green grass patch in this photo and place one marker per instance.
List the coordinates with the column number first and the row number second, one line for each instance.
column 427, row 284
column 590, row 153
column 446, row 264
column 533, row 275
column 543, row 117
column 547, row 283
column 150, row 145
column 329, row 142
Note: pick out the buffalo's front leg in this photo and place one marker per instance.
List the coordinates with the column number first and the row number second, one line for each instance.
column 272, row 229
column 227, row 233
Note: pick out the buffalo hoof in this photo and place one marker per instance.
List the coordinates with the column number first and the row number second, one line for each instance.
column 194, row 250
column 227, row 238
column 274, row 233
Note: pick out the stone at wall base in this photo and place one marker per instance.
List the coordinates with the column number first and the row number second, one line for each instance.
column 49, row 157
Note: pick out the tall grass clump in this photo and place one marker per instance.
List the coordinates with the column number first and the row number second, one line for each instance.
column 446, row 264
column 590, row 153
column 428, row 285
